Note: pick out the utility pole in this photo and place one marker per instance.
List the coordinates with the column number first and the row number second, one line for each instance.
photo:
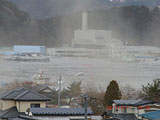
column 86, row 105
column 59, row 91
column 85, row 97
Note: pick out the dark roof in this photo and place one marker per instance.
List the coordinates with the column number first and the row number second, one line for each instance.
column 132, row 102
column 125, row 102
column 20, row 117
column 60, row 111
column 9, row 113
column 144, row 102
column 40, row 88
column 125, row 117
column 114, row 118
column 152, row 115
column 23, row 94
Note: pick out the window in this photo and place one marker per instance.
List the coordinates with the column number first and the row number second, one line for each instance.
column 35, row 105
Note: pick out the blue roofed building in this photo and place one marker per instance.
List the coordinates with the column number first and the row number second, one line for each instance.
column 155, row 115
column 27, row 50
column 132, row 106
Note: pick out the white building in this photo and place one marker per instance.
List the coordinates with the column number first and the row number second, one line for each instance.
column 88, row 42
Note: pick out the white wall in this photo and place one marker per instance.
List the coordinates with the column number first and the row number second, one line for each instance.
column 91, row 37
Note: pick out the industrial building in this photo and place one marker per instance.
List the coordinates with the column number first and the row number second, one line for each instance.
column 23, row 50
column 89, row 38
column 87, row 42
column 29, row 50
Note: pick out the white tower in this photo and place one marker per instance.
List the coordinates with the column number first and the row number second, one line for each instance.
column 84, row 20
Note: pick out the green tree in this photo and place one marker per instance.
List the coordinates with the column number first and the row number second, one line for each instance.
column 72, row 91
column 152, row 91
column 112, row 93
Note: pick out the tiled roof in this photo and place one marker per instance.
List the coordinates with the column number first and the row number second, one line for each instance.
column 132, row 102
column 39, row 88
column 152, row 115
column 9, row 113
column 126, row 102
column 144, row 102
column 60, row 111
column 23, row 94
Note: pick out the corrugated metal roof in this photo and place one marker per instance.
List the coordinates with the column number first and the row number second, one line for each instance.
column 23, row 94
column 152, row 115
column 60, row 111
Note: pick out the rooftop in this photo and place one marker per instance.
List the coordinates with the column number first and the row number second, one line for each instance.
column 152, row 115
column 23, row 94
column 9, row 113
column 59, row 111
column 39, row 88
column 132, row 102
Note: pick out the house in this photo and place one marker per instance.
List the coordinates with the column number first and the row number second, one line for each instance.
column 60, row 113
column 22, row 99
column 155, row 115
column 131, row 106
column 47, row 91
column 44, row 90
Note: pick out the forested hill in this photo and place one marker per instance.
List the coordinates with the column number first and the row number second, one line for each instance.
column 12, row 21
column 48, row 8
column 137, row 24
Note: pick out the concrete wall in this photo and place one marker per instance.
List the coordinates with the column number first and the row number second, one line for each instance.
column 22, row 106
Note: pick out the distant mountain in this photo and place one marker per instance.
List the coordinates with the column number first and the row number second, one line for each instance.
column 47, row 8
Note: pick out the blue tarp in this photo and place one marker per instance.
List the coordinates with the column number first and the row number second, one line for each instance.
column 152, row 115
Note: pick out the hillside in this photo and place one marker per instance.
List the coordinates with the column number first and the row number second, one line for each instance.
column 137, row 24
column 48, row 8
column 12, row 20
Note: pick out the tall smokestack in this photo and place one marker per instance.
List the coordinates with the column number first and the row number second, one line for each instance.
column 84, row 20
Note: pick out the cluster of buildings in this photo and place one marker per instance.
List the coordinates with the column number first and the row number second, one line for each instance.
column 90, row 43
column 25, row 104
column 33, row 104
column 101, row 44
column 133, row 110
